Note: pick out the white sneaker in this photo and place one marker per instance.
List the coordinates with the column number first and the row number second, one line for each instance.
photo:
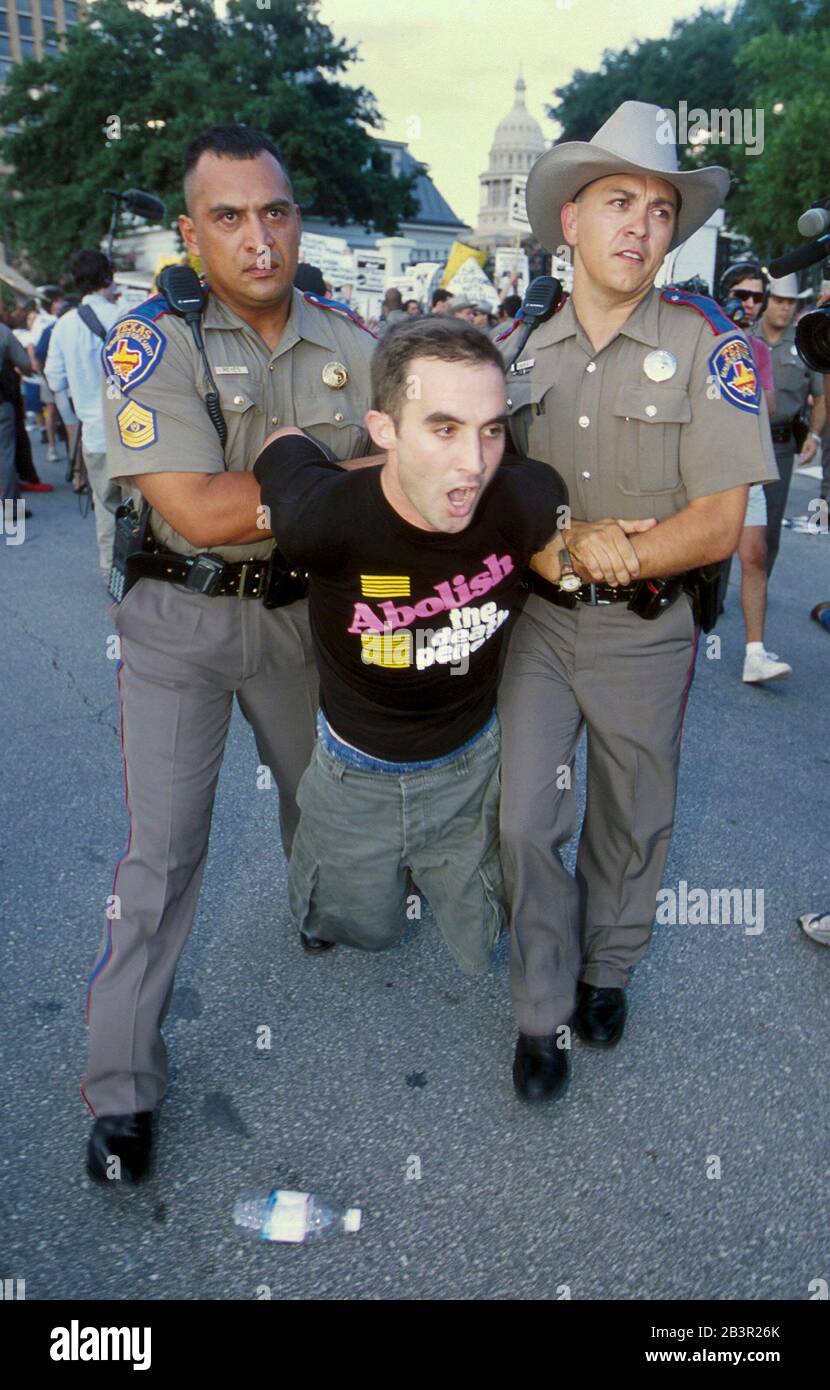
column 764, row 666
column 816, row 925
column 52, row 456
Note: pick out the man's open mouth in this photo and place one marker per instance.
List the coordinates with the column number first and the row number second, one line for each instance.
column 462, row 498
column 633, row 256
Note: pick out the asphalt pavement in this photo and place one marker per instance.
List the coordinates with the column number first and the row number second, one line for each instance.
column 690, row 1162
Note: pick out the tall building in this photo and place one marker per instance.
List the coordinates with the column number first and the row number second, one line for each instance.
column 517, row 143
column 34, row 29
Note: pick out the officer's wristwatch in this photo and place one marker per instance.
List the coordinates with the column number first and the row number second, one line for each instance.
column 569, row 580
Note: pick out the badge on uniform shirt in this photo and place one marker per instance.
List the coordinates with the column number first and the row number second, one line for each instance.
column 132, row 351
column 523, row 366
column 230, row 371
column 136, row 426
column 733, row 370
column 660, row 365
column 335, row 375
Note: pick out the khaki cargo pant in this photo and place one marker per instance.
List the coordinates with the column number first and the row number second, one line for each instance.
column 362, row 834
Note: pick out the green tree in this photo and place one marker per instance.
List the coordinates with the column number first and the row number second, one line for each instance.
column 769, row 56
column 277, row 68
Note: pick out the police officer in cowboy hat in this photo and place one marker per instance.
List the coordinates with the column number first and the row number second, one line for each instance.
column 794, row 381
column 195, row 630
column 649, row 406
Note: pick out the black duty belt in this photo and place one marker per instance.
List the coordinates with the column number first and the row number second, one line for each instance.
column 782, row 434
column 592, row 594
column 271, row 580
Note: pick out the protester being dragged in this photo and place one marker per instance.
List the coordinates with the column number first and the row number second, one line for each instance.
column 416, row 567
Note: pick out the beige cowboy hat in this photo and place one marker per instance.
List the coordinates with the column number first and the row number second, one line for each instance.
column 637, row 139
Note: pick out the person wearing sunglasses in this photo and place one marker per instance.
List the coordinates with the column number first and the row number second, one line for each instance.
column 743, row 294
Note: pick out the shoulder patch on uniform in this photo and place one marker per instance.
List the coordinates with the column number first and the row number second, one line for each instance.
column 338, row 307
column 137, row 425
column 133, row 349
column 733, row 370
column 702, row 304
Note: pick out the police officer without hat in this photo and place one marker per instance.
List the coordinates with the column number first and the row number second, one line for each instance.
column 648, row 405
column 276, row 357
column 794, row 381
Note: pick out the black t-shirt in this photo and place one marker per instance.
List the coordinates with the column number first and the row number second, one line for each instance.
column 408, row 625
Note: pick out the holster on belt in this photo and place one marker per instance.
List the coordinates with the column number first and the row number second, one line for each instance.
column 702, row 585
column 139, row 556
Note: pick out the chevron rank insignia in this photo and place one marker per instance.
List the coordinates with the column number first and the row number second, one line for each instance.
column 132, row 351
column 733, row 371
column 136, row 426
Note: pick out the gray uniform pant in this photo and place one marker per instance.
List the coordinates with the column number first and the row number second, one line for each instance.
column 108, row 496
column 184, row 657
column 776, row 494
column 9, row 490
column 626, row 680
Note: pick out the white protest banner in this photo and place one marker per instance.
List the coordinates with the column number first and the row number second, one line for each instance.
column 370, row 270
column 516, row 208
column 507, row 264
column 471, row 281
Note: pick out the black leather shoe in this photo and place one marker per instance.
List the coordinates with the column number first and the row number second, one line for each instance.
column 315, row 945
column 540, row 1068
column 126, row 1137
column 600, row 1015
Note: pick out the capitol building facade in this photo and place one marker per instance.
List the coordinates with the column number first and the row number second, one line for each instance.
column 517, row 143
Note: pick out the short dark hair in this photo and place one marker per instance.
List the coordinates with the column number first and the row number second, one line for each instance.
column 440, row 297
column 510, row 305
column 235, row 141
column 440, row 339
column 91, row 270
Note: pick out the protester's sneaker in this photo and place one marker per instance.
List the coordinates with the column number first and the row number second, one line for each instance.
column 764, row 666
column 52, row 456
column 816, row 925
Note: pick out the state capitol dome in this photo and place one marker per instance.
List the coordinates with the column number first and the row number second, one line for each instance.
column 517, row 143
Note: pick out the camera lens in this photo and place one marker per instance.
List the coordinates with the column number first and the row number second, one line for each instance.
column 812, row 338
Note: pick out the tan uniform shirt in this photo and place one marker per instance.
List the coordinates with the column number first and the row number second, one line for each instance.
column 793, row 379
column 154, row 398
column 629, row 446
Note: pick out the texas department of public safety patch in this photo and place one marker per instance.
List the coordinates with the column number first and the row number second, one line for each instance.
column 733, row 369
column 136, row 425
column 132, row 351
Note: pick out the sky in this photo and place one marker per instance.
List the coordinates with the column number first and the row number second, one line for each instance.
column 445, row 69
